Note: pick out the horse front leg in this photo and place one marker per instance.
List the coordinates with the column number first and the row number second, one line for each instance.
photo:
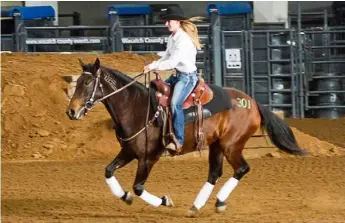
column 143, row 171
column 120, row 160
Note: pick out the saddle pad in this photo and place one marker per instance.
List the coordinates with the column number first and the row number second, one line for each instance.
column 221, row 101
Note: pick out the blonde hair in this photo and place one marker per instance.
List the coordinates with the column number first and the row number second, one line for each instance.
column 190, row 28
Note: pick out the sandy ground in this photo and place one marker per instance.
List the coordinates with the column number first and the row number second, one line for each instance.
column 276, row 190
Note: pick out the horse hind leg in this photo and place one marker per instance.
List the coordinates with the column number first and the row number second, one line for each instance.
column 215, row 172
column 235, row 158
column 120, row 160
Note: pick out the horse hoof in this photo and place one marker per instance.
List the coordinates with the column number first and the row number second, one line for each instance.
column 193, row 212
column 128, row 198
column 167, row 201
column 220, row 206
column 221, row 209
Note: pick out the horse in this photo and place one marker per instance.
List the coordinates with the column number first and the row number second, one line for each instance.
column 225, row 133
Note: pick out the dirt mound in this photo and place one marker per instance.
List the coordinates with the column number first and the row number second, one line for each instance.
column 34, row 100
column 331, row 130
column 315, row 146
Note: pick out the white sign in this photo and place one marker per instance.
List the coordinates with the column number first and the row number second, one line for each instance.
column 333, row 98
column 144, row 40
column 233, row 58
column 61, row 41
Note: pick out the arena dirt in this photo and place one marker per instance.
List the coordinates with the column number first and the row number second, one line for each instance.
column 53, row 168
column 294, row 190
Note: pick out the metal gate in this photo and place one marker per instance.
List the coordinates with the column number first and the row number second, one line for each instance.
column 235, row 68
column 273, row 76
column 324, row 79
column 262, row 63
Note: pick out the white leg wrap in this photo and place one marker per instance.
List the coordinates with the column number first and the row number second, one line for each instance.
column 151, row 199
column 203, row 195
column 115, row 186
column 227, row 188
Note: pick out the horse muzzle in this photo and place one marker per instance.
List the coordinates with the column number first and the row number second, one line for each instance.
column 76, row 114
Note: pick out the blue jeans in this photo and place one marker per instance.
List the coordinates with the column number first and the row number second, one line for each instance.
column 184, row 84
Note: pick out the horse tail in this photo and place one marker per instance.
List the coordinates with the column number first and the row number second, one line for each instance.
column 279, row 132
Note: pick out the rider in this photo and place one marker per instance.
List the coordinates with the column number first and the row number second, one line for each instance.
column 180, row 54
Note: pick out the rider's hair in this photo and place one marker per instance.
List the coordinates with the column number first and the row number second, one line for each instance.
column 190, row 28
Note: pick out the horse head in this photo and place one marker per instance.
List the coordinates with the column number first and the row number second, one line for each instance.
column 87, row 91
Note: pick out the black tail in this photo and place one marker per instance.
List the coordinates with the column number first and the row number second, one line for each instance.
column 279, row 132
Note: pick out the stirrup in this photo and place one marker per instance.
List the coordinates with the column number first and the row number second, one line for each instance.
column 171, row 146
column 174, row 145
column 171, row 149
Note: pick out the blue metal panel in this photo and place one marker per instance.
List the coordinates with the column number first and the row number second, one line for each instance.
column 30, row 12
column 129, row 9
column 230, row 8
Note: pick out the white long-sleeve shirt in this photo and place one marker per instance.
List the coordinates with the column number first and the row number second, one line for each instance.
column 180, row 54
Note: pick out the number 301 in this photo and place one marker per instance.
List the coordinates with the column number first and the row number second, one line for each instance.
column 244, row 103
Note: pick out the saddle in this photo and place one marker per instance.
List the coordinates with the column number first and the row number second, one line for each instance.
column 201, row 95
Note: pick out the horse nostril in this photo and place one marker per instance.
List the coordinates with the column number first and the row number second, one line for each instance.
column 70, row 113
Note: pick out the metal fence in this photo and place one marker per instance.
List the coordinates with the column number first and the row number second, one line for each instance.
column 7, row 42
column 272, row 69
column 324, row 77
column 300, row 73
column 262, row 63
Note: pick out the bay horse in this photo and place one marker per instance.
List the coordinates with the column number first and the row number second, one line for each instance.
column 226, row 133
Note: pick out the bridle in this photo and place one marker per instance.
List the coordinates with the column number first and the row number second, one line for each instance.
column 92, row 102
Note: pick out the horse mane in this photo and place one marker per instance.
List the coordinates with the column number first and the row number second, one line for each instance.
column 119, row 75
column 124, row 78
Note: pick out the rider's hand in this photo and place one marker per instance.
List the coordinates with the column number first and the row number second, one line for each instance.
column 146, row 69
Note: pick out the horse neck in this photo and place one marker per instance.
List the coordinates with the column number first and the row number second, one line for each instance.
column 127, row 108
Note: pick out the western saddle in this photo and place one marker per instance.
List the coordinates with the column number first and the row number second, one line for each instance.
column 201, row 95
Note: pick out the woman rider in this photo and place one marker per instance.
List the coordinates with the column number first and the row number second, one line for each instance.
column 180, row 55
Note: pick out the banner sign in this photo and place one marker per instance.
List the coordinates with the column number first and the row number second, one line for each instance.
column 62, row 41
column 144, row 40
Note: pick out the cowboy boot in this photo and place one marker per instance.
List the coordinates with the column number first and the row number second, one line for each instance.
column 174, row 146
column 173, row 149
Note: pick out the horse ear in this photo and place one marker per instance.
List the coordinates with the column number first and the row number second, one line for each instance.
column 81, row 62
column 96, row 66
column 83, row 66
